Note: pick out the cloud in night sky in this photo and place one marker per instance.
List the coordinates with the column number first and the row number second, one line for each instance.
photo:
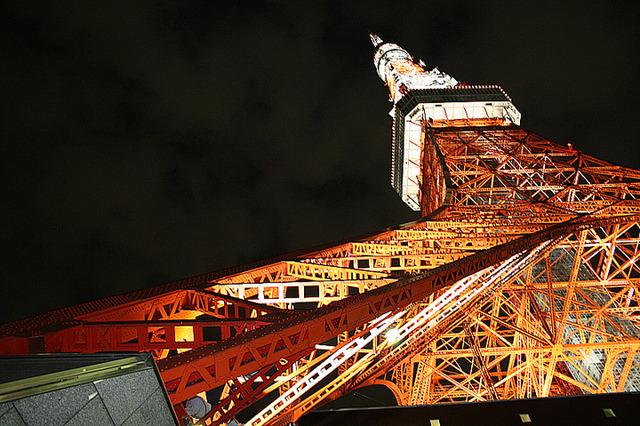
column 146, row 142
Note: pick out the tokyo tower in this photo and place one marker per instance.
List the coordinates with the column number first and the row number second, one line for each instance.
column 519, row 280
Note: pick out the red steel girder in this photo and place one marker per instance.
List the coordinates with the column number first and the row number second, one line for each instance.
column 207, row 367
column 143, row 336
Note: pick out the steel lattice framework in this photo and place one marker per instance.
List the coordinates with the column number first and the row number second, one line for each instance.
column 520, row 280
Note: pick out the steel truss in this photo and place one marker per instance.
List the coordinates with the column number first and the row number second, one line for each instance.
column 521, row 280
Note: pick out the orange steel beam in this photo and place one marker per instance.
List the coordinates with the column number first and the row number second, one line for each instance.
column 550, row 366
column 142, row 336
column 206, row 367
column 444, row 309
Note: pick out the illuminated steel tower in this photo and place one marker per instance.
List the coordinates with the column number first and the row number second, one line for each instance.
column 519, row 280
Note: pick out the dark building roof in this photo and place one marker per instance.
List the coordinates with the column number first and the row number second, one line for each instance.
column 104, row 389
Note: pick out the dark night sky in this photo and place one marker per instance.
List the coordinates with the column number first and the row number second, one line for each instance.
column 146, row 142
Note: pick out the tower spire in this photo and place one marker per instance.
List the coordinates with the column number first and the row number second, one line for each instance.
column 377, row 41
column 398, row 70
